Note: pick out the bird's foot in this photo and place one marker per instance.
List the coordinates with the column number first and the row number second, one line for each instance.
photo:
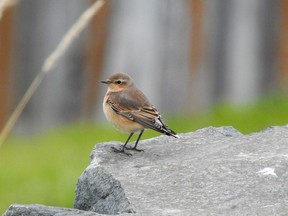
column 121, row 151
column 134, row 149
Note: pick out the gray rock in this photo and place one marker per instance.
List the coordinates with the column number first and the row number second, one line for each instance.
column 213, row 171
column 98, row 191
column 41, row 210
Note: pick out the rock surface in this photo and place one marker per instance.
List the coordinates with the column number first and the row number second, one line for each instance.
column 98, row 191
column 42, row 210
column 212, row 171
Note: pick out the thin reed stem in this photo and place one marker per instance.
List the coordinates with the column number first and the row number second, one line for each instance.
column 49, row 63
column 5, row 4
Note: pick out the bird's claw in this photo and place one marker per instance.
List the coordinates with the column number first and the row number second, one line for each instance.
column 121, row 151
column 134, row 149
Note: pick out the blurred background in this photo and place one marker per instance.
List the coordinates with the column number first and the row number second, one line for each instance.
column 200, row 62
column 186, row 55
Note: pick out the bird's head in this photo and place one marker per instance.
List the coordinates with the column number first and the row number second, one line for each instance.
column 118, row 82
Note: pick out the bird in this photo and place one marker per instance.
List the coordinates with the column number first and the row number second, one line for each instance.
column 129, row 110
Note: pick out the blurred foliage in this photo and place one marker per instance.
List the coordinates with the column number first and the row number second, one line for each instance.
column 268, row 111
column 45, row 168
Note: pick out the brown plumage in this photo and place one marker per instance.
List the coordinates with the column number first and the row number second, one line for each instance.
column 129, row 110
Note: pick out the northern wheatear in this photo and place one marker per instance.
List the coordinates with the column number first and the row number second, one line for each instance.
column 129, row 110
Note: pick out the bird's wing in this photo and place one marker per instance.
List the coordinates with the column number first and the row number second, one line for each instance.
column 137, row 108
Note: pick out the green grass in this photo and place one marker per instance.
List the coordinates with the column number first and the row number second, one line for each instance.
column 269, row 111
column 45, row 168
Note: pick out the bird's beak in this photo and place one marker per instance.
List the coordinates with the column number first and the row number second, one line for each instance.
column 106, row 81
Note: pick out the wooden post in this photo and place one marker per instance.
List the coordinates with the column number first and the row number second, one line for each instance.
column 6, row 27
column 196, row 9
column 96, row 53
column 196, row 52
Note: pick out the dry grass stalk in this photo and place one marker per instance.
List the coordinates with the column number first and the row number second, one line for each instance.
column 5, row 4
column 49, row 63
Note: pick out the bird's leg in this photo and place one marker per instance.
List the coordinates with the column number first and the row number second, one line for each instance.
column 135, row 146
column 123, row 147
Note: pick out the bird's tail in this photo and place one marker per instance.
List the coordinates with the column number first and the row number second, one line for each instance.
column 170, row 132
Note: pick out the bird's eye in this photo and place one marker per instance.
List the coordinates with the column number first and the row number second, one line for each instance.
column 118, row 82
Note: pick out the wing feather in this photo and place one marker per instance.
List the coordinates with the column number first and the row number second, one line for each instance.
column 138, row 109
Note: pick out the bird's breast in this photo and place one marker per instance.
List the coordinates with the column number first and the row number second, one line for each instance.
column 120, row 122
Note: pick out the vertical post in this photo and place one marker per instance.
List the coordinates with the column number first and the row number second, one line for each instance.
column 196, row 51
column 94, row 65
column 6, row 26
